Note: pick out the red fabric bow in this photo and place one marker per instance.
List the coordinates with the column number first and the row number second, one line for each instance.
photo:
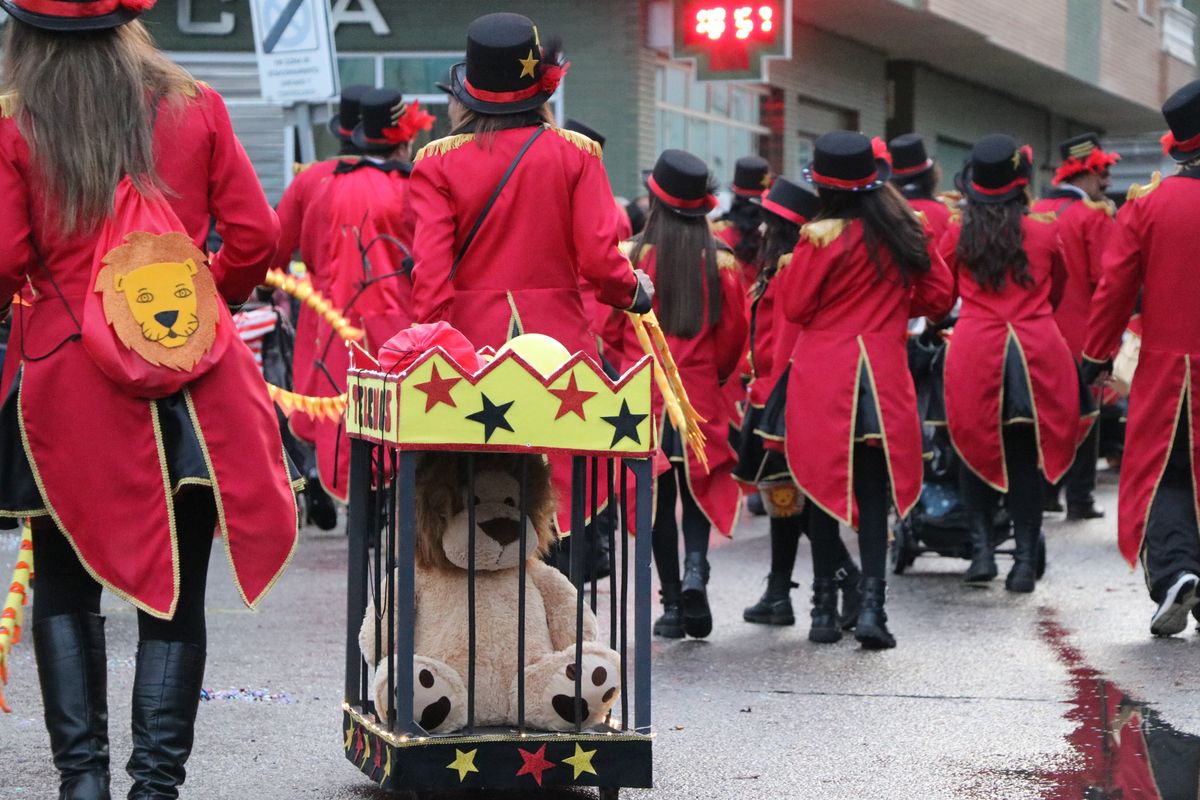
column 1096, row 161
column 552, row 75
column 411, row 120
column 880, row 150
column 138, row 5
column 1169, row 143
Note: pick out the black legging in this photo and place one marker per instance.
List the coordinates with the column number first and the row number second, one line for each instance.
column 785, row 542
column 871, row 494
column 665, row 539
column 1024, row 498
column 63, row 586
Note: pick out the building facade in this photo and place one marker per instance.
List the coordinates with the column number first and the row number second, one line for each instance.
column 953, row 70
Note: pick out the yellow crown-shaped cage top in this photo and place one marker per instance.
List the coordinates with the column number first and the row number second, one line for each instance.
column 508, row 405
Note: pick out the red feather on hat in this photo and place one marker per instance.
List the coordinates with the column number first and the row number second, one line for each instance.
column 138, row 5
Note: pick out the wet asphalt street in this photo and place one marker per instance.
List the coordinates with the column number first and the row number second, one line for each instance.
column 978, row 701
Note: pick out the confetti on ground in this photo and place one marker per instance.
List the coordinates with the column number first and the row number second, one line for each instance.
column 247, row 696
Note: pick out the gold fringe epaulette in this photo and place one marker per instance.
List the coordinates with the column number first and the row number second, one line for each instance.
column 726, row 260
column 8, row 104
column 1105, row 205
column 950, row 199
column 823, row 232
column 783, row 261
column 582, row 142
column 1137, row 191
column 626, row 248
column 1048, row 217
column 439, row 147
column 297, row 167
column 720, row 225
column 924, row 220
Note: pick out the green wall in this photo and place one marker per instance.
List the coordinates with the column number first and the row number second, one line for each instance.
column 601, row 39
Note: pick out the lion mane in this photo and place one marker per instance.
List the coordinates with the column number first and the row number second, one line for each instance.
column 140, row 249
column 440, row 492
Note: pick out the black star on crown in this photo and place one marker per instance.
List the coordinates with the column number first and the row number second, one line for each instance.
column 625, row 424
column 491, row 417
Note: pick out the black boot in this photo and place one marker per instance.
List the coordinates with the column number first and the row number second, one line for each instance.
column 826, row 624
column 872, row 630
column 697, row 616
column 1022, row 577
column 775, row 606
column 73, row 671
column 983, row 557
column 670, row 624
column 166, row 694
column 848, row 577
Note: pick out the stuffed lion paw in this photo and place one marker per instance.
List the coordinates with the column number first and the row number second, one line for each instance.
column 441, row 624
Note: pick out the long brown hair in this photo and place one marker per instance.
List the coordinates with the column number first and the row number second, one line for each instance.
column 888, row 221
column 85, row 105
column 992, row 244
column 685, row 259
column 778, row 240
column 486, row 126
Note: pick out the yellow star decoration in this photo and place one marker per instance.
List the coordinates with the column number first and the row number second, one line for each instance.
column 463, row 763
column 527, row 65
column 581, row 761
column 766, row 181
column 1017, row 159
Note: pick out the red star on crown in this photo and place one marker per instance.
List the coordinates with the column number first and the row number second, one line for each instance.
column 535, row 763
column 571, row 399
column 437, row 390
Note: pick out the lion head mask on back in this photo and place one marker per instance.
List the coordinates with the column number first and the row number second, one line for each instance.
column 160, row 298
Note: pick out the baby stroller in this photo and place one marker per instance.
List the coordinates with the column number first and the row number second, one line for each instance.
column 938, row 523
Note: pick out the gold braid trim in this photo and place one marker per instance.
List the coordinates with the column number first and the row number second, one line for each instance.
column 726, row 260
column 1048, row 217
column 8, row 104
column 582, row 142
column 1136, row 191
column 1105, row 205
column 823, row 232
column 303, row 291
column 439, row 147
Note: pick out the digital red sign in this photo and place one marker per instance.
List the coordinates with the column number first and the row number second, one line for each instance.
column 730, row 39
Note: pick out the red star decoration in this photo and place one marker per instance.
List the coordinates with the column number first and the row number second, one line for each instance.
column 437, row 390
column 571, row 399
column 535, row 763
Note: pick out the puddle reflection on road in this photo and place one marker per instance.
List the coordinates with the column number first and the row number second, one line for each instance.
column 1123, row 748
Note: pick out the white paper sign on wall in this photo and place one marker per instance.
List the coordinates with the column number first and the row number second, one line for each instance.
column 297, row 59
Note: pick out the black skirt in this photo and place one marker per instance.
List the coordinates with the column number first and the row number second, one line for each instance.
column 19, row 495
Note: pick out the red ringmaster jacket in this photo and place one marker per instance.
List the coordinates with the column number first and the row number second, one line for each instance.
column 97, row 451
column 974, row 375
column 848, row 317
column 554, row 222
column 1153, row 249
column 706, row 362
column 359, row 264
column 937, row 215
column 300, row 231
column 1083, row 229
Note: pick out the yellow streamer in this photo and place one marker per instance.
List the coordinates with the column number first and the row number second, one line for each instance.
column 666, row 374
column 12, row 618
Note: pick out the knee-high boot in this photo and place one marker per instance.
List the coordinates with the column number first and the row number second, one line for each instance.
column 73, row 671
column 166, row 694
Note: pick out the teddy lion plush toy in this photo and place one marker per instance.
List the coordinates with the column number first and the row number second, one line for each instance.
column 441, row 626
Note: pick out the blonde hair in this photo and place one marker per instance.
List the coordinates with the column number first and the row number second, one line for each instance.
column 85, row 103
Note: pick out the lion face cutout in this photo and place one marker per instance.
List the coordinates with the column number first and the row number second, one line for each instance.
column 443, row 516
column 160, row 298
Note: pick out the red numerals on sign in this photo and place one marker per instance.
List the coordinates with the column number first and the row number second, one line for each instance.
column 733, row 23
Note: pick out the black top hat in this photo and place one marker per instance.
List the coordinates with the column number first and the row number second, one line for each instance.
column 998, row 170
column 591, row 133
column 790, row 201
column 444, row 84
column 385, row 122
column 682, row 183
column 76, row 15
column 751, row 176
column 1080, row 146
column 343, row 123
column 1182, row 112
column 506, row 71
column 847, row 161
column 909, row 158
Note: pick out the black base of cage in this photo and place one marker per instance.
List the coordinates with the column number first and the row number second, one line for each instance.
column 500, row 760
